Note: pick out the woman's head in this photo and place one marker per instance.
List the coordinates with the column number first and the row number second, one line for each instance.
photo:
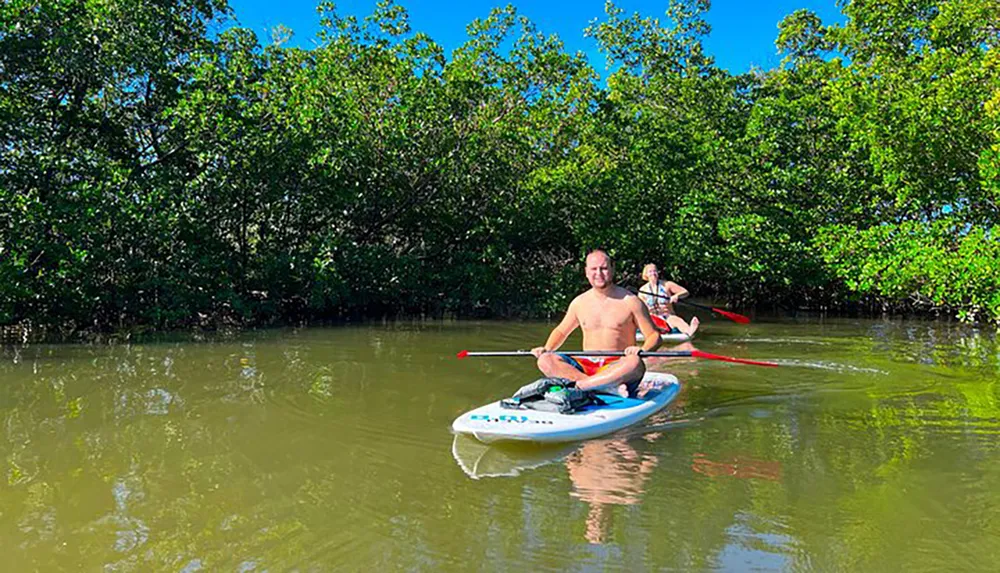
column 650, row 272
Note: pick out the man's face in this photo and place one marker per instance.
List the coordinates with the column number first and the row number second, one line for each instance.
column 599, row 271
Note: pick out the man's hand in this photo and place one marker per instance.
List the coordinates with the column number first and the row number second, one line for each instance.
column 538, row 351
column 633, row 350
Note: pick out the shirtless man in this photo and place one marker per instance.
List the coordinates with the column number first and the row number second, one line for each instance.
column 609, row 316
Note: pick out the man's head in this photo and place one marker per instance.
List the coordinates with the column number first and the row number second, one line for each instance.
column 600, row 269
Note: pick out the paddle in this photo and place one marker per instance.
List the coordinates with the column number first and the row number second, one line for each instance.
column 666, row 353
column 730, row 315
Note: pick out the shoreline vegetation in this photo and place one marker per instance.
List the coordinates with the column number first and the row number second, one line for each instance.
column 157, row 174
column 209, row 328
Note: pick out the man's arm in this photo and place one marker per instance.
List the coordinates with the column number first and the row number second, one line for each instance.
column 641, row 316
column 561, row 332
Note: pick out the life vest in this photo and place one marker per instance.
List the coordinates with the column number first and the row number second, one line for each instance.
column 551, row 395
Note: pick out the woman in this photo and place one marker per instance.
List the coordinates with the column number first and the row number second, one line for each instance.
column 659, row 297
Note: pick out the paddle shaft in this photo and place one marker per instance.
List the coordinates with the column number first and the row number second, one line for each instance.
column 680, row 301
column 730, row 315
column 644, row 354
column 577, row 353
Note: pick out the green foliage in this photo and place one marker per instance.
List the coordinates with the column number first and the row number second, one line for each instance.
column 940, row 265
column 802, row 37
column 153, row 173
column 913, row 100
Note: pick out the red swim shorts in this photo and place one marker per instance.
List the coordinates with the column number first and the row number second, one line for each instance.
column 589, row 366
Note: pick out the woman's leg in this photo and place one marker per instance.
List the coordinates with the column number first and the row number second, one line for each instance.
column 680, row 324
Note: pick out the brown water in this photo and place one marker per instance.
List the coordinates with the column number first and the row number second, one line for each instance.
column 876, row 446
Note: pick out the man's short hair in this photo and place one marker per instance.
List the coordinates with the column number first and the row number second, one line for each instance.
column 603, row 252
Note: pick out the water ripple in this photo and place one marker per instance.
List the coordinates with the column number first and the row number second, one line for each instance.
column 832, row 366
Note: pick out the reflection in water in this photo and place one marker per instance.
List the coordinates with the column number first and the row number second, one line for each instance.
column 606, row 473
column 130, row 532
column 743, row 467
column 501, row 459
column 603, row 473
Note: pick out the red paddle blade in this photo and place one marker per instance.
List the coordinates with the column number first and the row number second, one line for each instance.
column 709, row 356
column 462, row 354
column 732, row 316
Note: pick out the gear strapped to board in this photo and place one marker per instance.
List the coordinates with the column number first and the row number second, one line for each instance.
column 551, row 395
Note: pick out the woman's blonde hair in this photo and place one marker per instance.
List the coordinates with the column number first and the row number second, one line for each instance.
column 645, row 270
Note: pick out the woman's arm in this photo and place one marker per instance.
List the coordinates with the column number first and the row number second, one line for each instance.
column 676, row 291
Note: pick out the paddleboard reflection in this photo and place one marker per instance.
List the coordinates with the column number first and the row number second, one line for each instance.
column 505, row 459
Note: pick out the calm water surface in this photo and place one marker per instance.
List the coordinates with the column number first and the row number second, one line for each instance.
column 874, row 447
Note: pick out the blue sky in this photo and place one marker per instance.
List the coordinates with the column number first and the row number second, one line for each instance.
column 742, row 34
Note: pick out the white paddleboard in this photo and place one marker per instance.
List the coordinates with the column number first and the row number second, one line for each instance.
column 678, row 337
column 492, row 423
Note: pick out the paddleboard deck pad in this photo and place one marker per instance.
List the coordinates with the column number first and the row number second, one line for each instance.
column 494, row 423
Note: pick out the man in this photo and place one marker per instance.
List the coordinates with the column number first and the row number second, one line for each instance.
column 609, row 316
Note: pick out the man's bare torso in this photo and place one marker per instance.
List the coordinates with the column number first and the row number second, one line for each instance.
column 607, row 321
